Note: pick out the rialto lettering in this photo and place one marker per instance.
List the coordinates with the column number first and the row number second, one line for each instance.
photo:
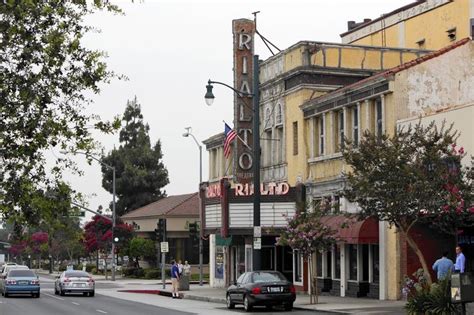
column 265, row 189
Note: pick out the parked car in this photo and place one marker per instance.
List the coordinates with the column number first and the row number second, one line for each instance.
column 6, row 264
column 74, row 281
column 20, row 281
column 261, row 288
column 7, row 268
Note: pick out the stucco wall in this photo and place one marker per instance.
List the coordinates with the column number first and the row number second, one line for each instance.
column 430, row 25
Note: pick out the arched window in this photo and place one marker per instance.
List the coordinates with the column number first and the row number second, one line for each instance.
column 268, row 118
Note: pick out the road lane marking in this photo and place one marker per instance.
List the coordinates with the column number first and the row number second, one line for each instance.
column 55, row 297
column 100, row 311
column 75, row 303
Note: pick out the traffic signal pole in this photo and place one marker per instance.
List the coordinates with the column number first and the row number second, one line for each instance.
column 163, row 260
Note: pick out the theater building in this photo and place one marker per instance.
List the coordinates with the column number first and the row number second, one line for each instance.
column 287, row 80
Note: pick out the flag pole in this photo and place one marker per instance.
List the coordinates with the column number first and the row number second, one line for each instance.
column 238, row 137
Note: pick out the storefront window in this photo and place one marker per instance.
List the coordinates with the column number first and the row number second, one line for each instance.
column 319, row 264
column 328, row 264
column 375, row 263
column 352, row 262
column 337, row 259
column 298, row 267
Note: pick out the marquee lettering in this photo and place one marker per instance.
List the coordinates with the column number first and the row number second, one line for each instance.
column 269, row 189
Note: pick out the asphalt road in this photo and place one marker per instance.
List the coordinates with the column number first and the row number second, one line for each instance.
column 50, row 304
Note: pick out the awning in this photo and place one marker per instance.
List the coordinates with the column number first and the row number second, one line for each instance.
column 223, row 241
column 356, row 232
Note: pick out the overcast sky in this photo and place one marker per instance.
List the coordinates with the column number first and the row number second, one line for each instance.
column 169, row 49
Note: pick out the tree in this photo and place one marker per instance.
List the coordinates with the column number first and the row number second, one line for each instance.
column 46, row 79
column 307, row 234
column 413, row 177
column 140, row 172
column 141, row 247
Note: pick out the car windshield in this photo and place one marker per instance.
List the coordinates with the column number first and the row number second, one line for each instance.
column 21, row 273
column 259, row 277
column 76, row 274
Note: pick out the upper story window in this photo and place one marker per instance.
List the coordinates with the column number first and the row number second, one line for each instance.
column 268, row 118
column 340, row 130
column 378, row 117
column 321, row 134
column 355, row 125
column 295, row 138
column 278, row 116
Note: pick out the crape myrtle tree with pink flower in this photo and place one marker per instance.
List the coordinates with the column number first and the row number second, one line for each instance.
column 307, row 234
column 413, row 177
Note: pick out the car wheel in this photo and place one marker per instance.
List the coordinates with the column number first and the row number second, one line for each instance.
column 288, row 307
column 269, row 307
column 37, row 295
column 247, row 304
column 61, row 292
column 5, row 294
column 55, row 291
column 85, row 293
column 230, row 305
column 91, row 294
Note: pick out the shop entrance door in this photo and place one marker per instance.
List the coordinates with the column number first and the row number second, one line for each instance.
column 238, row 261
column 268, row 258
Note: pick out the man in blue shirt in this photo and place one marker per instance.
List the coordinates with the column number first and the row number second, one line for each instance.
column 460, row 260
column 174, row 280
column 443, row 266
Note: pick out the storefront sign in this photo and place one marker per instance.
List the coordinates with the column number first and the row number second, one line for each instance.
column 265, row 189
column 257, row 231
column 213, row 191
column 244, row 32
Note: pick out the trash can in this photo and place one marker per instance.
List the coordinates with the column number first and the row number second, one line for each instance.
column 184, row 283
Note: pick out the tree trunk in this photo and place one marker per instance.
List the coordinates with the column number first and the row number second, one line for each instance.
column 411, row 242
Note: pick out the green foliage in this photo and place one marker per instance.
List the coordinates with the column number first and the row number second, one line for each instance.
column 46, row 78
column 307, row 233
column 139, row 273
column 152, row 274
column 141, row 247
column 425, row 298
column 140, row 172
column 412, row 177
column 408, row 178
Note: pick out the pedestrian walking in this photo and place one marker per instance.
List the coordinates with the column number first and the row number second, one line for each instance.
column 180, row 267
column 186, row 269
column 443, row 266
column 174, row 280
column 460, row 264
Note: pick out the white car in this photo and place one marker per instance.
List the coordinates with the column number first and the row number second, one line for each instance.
column 74, row 281
column 9, row 267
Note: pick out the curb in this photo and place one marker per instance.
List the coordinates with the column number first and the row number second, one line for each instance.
column 219, row 300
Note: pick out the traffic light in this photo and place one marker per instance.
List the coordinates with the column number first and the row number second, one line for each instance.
column 193, row 230
column 160, row 230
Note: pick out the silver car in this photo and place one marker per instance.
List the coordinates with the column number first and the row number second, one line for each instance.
column 74, row 281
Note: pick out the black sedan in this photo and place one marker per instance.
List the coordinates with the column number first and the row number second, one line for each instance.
column 261, row 288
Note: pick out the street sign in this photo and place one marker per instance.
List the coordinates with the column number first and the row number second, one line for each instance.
column 257, row 243
column 257, row 231
column 164, row 247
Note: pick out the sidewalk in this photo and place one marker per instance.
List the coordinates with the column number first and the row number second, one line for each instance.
column 328, row 304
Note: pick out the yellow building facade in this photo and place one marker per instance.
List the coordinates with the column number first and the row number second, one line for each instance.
column 429, row 24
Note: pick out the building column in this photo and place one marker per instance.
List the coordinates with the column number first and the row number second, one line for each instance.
column 359, row 124
column 383, row 266
column 367, row 115
column 382, row 101
column 312, row 129
column 331, row 137
column 360, row 262
column 343, row 270
column 371, row 263
column 212, row 262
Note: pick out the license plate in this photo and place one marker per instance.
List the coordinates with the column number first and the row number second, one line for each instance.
column 274, row 289
column 78, row 285
column 23, row 282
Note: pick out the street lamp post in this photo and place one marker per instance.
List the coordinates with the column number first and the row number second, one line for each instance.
column 187, row 134
column 113, row 204
column 209, row 97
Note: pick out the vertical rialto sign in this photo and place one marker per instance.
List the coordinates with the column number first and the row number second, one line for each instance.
column 244, row 34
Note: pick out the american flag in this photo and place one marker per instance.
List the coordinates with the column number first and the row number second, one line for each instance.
column 229, row 136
